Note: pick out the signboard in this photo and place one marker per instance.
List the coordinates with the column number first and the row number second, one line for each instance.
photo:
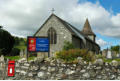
column 38, row 44
column 42, row 44
column 32, row 44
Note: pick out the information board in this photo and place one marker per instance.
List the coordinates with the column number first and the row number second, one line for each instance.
column 38, row 44
column 31, row 44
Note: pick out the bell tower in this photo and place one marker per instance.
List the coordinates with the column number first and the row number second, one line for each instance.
column 88, row 31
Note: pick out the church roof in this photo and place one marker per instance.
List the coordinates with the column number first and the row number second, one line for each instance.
column 87, row 28
column 72, row 29
column 75, row 31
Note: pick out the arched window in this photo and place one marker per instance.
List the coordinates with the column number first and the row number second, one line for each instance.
column 52, row 35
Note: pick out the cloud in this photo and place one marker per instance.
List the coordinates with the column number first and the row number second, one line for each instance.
column 101, row 42
column 24, row 17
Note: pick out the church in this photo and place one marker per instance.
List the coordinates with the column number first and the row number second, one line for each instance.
column 58, row 31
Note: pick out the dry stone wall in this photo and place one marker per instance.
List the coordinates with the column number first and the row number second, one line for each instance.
column 54, row 69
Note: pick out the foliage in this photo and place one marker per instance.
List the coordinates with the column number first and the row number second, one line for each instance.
column 1, row 27
column 68, row 45
column 99, row 56
column 6, row 41
column 115, row 48
column 72, row 54
column 15, row 52
column 16, row 40
column 0, row 52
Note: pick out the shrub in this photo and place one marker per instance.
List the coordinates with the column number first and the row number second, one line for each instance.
column 72, row 54
column 15, row 52
column 67, row 45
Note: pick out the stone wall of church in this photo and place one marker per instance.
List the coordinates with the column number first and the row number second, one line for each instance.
column 62, row 34
column 77, row 42
column 91, row 46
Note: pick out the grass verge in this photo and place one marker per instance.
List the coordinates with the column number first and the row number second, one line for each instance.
column 18, row 57
column 31, row 58
column 12, row 57
column 110, row 60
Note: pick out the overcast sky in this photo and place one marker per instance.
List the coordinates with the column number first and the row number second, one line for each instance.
column 24, row 17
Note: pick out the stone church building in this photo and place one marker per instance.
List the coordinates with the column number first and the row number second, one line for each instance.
column 58, row 30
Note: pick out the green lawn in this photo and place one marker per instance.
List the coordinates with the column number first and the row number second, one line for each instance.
column 21, row 47
column 31, row 58
column 12, row 57
column 110, row 60
column 18, row 57
column 107, row 60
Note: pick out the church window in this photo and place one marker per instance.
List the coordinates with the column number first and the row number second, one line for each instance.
column 52, row 35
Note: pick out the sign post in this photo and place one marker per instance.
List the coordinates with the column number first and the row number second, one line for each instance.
column 38, row 44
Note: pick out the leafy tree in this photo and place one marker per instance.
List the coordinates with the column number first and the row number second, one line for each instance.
column 115, row 48
column 1, row 27
column 6, row 41
column 17, row 42
column 14, row 52
column 21, row 39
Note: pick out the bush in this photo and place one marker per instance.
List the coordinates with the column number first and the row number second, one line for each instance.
column 15, row 52
column 68, row 45
column 72, row 54
column 0, row 52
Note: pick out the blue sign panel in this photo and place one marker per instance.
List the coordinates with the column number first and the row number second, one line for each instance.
column 42, row 44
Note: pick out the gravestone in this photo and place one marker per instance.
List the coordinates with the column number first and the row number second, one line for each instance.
column 114, row 54
column 118, row 55
column 109, row 55
column 104, row 53
column 2, row 58
column 22, row 53
column 25, row 52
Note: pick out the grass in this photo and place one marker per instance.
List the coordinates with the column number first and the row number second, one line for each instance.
column 31, row 58
column 110, row 60
column 99, row 56
column 118, row 59
column 12, row 57
column 107, row 60
column 18, row 57
column 20, row 47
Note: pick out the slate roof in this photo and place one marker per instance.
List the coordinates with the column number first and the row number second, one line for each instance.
column 72, row 29
column 75, row 31
column 87, row 28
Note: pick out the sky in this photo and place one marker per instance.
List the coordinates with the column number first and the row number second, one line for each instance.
column 23, row 17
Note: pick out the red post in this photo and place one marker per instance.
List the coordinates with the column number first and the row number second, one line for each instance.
column 11, row 68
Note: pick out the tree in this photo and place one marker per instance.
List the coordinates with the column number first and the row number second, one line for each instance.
column 115, row 48
column 17, row 42
column 1, row 27
column 6, row 41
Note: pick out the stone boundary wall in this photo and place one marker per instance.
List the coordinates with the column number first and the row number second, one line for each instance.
column 54, row 69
